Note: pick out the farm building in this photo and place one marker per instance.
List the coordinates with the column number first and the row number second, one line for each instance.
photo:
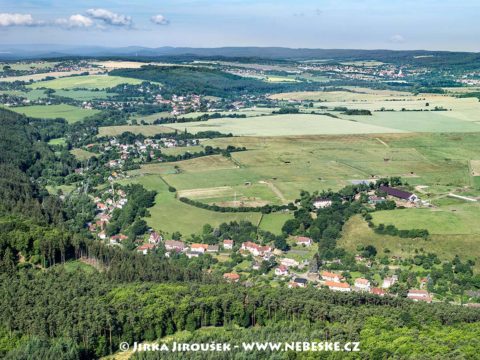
column 320, row 203
column 400, row 194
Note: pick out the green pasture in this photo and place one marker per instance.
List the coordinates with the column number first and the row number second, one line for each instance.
column 169, row 214
column 68, row 112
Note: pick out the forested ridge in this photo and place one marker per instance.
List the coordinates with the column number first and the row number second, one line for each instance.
column 50, row 311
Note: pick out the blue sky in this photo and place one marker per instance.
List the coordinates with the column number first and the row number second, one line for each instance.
column 359, row 24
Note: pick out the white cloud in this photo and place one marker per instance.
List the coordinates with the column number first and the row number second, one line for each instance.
column 75, row 21
column 398, row 39
column 159, row 20
column 8, row 19
column 110, row 17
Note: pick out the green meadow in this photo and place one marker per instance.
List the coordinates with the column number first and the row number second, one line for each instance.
column 68, row 112
column 169, row 214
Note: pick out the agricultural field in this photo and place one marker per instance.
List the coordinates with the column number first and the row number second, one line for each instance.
column 281, row 125
column 275, row 169
column 85, row 82
column 170, row 215
column 68, row 112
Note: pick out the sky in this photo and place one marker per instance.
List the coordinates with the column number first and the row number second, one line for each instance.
column 348, row 24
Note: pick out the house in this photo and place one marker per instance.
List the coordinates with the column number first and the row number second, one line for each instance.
column 155, row 238
column 289, row 262
column 298, row 282
column 362, row 284
column 255, row 249
column 191, row 254
column 228, row 244
column 400, row 194
column 419, row 295
column 101, row 206
column 118, row 238
column 233, row 277
column 374, row 200
column 389, row 281
column 174, row 245
column 328, row 276
column 338, row 286
column 199, row 248
column 145, row 248
column 282, row 270
column 377, row 291
column 102, row 235
column 302, row 240
column 212, row 249
column 320, row 203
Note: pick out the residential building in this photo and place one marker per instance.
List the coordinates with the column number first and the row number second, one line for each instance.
column 282, row 270
column 362, row 284
column 338, row 286
column 145, row 248
column 233, row 277
column 289, row 262
column 174, row 245
column 419, row 295
column 298, row 282
column 389, row 281
column 328, row 276
column 228, row 244
column 199, row 248
column 302, row 240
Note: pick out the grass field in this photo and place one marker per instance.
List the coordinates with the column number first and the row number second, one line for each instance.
column 169, row 214
column 58, row 141
column 85, row 82
column 81, row 154
column 356, row 232
column 83, row 95
column 276, row 169
column 281, row 125
column 274, row 222
column 70, row 113
column 458, row 219
column 147, row 130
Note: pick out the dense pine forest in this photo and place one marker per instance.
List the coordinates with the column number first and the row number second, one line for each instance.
column 51, row 311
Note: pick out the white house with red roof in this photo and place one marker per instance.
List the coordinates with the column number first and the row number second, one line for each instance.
column 282, row 270
column 362, row 284
column 145, row 248
column 228, row 244
column 419, row 295
column 303, row 240
column 199, row 248
column 255, row 249
column 338, row 286
column 329, row 276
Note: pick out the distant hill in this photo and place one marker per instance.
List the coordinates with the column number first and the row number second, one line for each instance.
column 418, row 57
